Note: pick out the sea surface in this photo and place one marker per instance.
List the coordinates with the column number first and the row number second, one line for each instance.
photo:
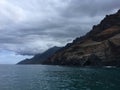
column 43, row 77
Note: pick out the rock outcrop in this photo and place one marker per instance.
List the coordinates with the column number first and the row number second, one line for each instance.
column 100, row 46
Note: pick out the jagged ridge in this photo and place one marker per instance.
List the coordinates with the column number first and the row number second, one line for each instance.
column 100, row 46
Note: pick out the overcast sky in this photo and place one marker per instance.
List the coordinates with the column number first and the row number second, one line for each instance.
column 28, row 27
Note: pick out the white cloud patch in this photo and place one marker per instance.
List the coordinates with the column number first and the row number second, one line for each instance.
column 8, row 57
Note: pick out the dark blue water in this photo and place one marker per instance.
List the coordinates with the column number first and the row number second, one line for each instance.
column 40, row 77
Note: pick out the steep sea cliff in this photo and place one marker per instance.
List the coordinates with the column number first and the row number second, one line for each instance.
column 99, row 47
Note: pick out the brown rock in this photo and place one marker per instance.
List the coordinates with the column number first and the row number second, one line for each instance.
column 100, row 46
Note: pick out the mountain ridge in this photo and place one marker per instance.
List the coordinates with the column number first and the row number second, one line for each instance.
column 40, row 58
column 100, row 46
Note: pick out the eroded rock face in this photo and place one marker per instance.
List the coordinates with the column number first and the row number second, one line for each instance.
column 100, row 46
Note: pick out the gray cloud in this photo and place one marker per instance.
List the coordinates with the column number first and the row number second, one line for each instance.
column 31, row 26
column 90, row 7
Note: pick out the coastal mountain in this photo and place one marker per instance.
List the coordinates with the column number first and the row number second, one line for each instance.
column 99, row 47
column 40, row 58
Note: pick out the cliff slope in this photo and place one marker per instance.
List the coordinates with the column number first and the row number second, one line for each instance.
column 100, row 46
column 40, row 58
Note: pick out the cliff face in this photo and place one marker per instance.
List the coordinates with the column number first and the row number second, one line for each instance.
column 100, row 46
column 40, row 58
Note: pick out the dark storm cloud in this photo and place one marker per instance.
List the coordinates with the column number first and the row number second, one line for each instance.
column 90, row 8
column 32, row 26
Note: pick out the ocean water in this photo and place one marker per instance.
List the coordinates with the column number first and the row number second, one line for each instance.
column 43, row 77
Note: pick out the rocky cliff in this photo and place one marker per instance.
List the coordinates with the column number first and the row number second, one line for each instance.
column 100, row 46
